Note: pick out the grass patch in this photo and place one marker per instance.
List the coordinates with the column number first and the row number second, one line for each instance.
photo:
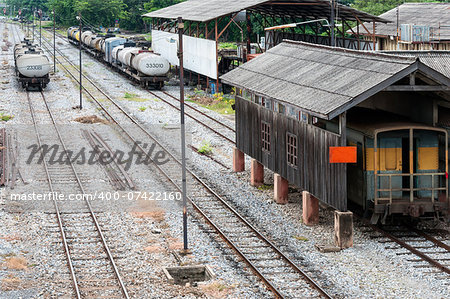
column 142, row 109
column 218, row 102
column 134, row 97
column 301, row 238
column 205, row 148
column 265, row 187
column 232, row 46
column 6, row 117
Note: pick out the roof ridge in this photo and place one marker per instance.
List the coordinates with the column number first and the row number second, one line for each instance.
column 350, row 51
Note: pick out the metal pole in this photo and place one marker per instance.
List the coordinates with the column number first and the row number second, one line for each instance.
column 81, row 71
column 332, row 21
column 54, row 42
column 40, row 29
column 183, row 130
column 34, row 16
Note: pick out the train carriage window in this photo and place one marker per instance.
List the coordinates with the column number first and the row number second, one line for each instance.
column 390, row 158
column 265, row 136
column 291, row 149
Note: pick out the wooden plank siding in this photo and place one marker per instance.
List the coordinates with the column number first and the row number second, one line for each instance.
column 313, row 173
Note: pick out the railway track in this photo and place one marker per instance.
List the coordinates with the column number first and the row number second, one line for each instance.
column 273, row 267
column 429, row 251
column 87, row 252
column 216, row 126
column 219, row 128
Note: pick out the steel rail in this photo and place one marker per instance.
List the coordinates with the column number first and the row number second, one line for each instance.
column 110, row 99
column 199, row 111
column 58, row 213
column 170, row 104
column 194, row 118
column 212, row 192
column 410, row 248
column 91, row 211
column 429, row 238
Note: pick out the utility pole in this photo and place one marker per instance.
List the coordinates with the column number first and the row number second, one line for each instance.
column 34, row 15
column 54, row 41
column 81, row 71
column 40, row 27
column 332, row 21
column 183, row 131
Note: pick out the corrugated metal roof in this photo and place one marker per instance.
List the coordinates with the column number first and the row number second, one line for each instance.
column 318, row 79
column 203, row 10
column 427, row 14
column 438, row 60
column 207, row 10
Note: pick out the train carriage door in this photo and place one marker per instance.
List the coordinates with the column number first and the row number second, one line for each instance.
column 408, row 159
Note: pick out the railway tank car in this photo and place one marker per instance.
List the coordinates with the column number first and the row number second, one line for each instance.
column 32, row 66
column 134, row 60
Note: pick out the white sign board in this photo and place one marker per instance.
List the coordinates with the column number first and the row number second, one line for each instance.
column 199, row 54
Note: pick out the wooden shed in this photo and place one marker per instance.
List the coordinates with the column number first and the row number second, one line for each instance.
column 298, row 100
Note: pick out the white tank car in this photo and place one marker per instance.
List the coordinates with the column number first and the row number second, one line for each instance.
column 125, row 55
column 115, row 52
column 88, row 40
column 85, row 35
column 95, row 43
column 150, row 64
column 32, row 64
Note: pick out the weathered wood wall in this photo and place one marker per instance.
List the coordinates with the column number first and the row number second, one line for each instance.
column 314, row 173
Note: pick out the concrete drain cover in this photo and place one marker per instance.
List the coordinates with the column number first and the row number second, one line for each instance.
column 188, row 274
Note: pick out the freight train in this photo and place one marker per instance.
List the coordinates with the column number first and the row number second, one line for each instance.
column 32, row 65
column 128, row 57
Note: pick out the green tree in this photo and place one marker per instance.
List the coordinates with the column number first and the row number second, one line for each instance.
column 377, row 7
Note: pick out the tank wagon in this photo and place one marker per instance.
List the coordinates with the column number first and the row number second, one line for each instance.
column 32, row 65
column 132, row 59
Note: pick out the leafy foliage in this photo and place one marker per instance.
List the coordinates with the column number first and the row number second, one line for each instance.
column 377, row 7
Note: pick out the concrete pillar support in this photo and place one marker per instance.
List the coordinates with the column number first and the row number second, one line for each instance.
column 281, row 189
column 343, row 229
column 310, row 209
column 238, row 160
column 256, row 173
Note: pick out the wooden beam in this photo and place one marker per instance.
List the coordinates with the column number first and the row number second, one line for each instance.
column 343, row 128
column 417, row 88
column 412, row 79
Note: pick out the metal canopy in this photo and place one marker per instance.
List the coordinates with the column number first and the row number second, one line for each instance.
column 207, row 10
column 324, row 81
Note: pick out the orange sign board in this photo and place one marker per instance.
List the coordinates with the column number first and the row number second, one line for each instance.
column 343, row 154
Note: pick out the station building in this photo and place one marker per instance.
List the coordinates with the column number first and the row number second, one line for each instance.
column 299, row 104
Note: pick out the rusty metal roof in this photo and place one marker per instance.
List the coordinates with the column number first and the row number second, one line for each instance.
column 426, row 14
column 207, row 10
column 321, row 80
